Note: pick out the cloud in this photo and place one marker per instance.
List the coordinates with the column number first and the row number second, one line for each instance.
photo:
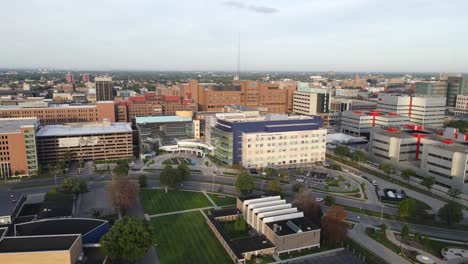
column 253, row 8
column 263, row 9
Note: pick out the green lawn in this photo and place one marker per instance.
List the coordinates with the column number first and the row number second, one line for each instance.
column 157, row 201
column 379, row 236
column 222, row 200
column 186, row 238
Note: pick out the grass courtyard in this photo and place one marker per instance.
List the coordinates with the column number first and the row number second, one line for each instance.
column 186, row 238
column 158, row 201
column 222, row 200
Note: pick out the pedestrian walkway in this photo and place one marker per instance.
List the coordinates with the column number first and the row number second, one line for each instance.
column 209, row 199
column 181, row 212
column 391, row 237
column 359, row 235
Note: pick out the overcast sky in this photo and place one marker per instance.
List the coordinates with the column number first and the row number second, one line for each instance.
column 283, row 35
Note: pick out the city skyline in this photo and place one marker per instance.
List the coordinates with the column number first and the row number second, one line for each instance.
column 350, row 36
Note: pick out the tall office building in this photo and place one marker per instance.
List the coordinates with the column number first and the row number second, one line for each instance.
column 69, row 77
column 18, row 144
column 85, row 77
column 456, row 85
column 311, row 101
column 435, row 89
column 104, row 88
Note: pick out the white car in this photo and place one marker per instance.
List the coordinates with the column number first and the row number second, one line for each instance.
column 300, row 180
column 319, row 200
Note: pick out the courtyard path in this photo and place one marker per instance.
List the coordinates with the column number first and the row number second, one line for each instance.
column 181, row 212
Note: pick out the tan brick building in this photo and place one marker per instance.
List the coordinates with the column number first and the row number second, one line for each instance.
column 276, row 97
column 18, row 147
column 64, row 113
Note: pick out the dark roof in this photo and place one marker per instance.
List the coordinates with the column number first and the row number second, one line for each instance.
column 56, row 205
column 9, row 206
column 286, row 228
column 58, row 227
column 30, row 209
column 40, row 243
column 249, row 244
column 252, row 196
column 225, row 212
column 242, row 245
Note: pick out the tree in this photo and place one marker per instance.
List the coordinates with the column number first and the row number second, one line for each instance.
column 274, row 187
column 334, row 227
column 121, row 169
column 122, row 193
column 454, row 193
column 404, row 232
column 428, row 182
column 417, row 236
column 335, row 166
column 358, row 156
column 244, row 183
column 129, row 240
column 407, row 208
column 387, row 168
column 297, row 187
column 451, row 213
column 329, row 200
column 168, row 176
column 142, row 181
column 306, row 202
column 342, row 151
column 67, row 184
column 407, row 174
column 183, row 172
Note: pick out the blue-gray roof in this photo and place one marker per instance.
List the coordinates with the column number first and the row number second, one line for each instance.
column 161, row 119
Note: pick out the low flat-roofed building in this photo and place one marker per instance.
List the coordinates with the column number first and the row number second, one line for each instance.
column 55, row 249
column 157, row 131
column 361, row 123
column 88, row 141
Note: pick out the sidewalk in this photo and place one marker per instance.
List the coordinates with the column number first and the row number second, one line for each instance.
column 391, row 237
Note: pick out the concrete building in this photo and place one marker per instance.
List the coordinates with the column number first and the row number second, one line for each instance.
column 457, row 85
column 426, row 111
column 267, row 141
column 18, row 155
column 461, row 107
column 157, row 131
column 431, row 89
column 361, row 123
column 89, row 141
column 311, row 101
column 281, row 223
column 104, row 88
column 63, row 113
column 441, row 154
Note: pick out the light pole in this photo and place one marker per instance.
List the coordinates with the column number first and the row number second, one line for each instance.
column 381, row 214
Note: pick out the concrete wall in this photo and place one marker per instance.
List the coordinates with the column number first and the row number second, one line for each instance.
column 295, row 241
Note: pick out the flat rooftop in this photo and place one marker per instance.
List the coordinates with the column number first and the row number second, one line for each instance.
column 34, row 244
column 161, row 119
column 81, row 129
column 293, row 226
column 8, row 203
column 58, row 227
column 11, row 125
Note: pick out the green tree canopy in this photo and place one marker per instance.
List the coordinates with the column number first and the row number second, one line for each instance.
column 244, row 183
column 274, row 187
column 428, row 182
column 168, row 176
column 183, row 172
column 342, row 151
column 451, row 213
column 129, row 239
column 359, row 156
column 407, row 174
column 454, row 193
column 121, row 169
column 387, row 168
column 407, row 208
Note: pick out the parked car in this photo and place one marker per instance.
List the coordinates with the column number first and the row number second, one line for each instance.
column 300, row 180
column 319, row 199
